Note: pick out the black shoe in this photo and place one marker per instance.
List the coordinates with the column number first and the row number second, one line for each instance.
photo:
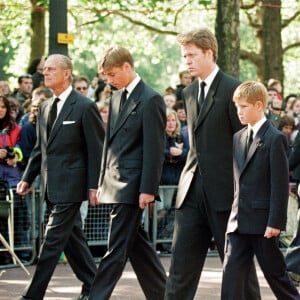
column 25, row 298
column 83, row 297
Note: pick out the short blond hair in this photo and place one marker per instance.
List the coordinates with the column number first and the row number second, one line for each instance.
column 115, row 56
column 202, row 38
column 252, row 91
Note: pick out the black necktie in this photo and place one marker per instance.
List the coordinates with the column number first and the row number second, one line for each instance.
column 52, row 115
column 249, row 141
column 202, row 95
column 123, row 99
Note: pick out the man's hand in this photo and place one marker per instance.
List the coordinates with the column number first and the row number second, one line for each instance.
column 23, row 188
column 145, row 199
column 94, row 196
column 271, row 232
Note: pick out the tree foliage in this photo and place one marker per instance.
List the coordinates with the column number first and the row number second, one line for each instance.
column 149, row 29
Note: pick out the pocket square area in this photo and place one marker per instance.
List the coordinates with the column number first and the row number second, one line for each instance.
column 68, row 122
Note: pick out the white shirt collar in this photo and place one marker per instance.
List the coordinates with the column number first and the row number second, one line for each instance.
column 209, row 79
column 255, row 128
column 63, row 97
column 131, row 86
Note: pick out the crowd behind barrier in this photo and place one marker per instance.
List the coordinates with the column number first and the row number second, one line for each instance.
column 159, row 222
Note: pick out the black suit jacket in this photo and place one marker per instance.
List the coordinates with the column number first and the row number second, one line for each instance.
column 261, row 182
column 210, row 135
column 294, row 159
column 70, row 160
column 133, row 151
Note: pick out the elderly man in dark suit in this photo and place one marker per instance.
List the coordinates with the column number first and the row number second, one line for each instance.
column 68, row 156
column 205, row 190
column 132, row 161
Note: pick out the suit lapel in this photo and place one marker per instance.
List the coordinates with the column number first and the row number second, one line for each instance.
column 209, row 99
column 257, row 142
column 241, row 148
column 65, row 111
column 118, row 119
column 192, row 104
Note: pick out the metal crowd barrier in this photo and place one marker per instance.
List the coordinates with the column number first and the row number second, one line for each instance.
column 159, row 222
column 18, row 229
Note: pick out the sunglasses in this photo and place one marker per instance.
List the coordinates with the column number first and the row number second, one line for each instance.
column 81, row 88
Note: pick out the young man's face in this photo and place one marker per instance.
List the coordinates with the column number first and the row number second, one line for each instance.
column 118, row 76
column 199, row 62
column 248, row 113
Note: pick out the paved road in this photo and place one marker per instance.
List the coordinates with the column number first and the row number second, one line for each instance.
column 64, row 285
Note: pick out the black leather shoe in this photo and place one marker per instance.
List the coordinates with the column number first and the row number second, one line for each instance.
column 83, row 297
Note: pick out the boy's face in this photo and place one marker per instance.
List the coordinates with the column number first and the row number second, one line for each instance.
column 249, row 113
column 119, row 77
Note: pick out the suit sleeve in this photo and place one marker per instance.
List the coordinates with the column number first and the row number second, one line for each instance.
column 154, row 124
column 94, row 137
column 294, row 159
column 279, row 183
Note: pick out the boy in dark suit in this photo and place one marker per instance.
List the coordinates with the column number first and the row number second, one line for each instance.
column 259, row 210
column 133, row 156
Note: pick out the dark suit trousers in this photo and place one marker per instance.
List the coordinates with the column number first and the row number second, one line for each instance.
column 63, row 233
column 239, row 253
column 126, row 240
column 196, row 222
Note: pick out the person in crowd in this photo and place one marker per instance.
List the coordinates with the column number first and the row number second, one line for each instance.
column 202, row 210
column 261, row 191
column 67, row 154
column 38, row 95
column 4, row 88
column 103, row 92
column 169, row 90
column 295, row 109
column 92, row 88
column 293, row 251
column 23, row 92
column 181, row 114
column 185, row 78
column 103, row 108
column 275, row 108
column 286, row 126
column 10, row 156
column 81, row 85
column 276, row 84
column 175, row 151
column 289, row 99
column 36, row 70
column 170, row 100
column 129, row 177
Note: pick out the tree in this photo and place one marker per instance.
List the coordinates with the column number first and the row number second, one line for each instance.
column 268, row 25
column 228, row 35
column 38, row 30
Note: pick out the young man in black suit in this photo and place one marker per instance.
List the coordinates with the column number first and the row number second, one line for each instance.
column 205, row 189
column 132, row 161
column 68, row 156
column 261, row 191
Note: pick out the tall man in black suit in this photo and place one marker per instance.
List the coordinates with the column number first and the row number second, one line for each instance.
column 132, row 161
column 205, row 190
column 68, row 158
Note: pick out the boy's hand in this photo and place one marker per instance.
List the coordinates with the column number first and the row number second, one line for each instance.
column 271, row 232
